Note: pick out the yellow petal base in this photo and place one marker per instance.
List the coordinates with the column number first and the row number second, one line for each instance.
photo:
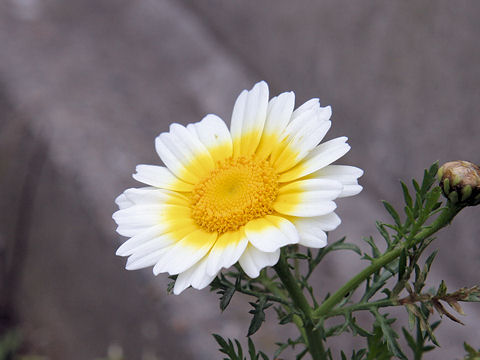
column 236, row 191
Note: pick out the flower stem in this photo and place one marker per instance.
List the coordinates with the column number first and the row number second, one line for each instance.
column 362, row 306
column 441, row 221
column 314, row 339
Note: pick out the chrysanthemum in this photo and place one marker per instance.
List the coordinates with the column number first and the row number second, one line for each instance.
column 240, row 195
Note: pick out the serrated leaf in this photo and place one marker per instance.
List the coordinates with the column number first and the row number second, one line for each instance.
column 432, row 198
column 423, row 321
column 226, row 296
column 442, row 289
column 258, row 315
column 357, row 329
column 406, row 195
column 389, row 335
column 430, row 259
column 410, row 214
column 429, row 178
column 286, row 319
column 336, row 330
column 472, row 353
column 377, row 349
column 410, row 340
column 411, row 318
column 251, row 350
column 442, row 311
column 415, row 185
column 345, row 246
column 375, row 251
column 228, row 348
column 381, row 229
column 393, row 213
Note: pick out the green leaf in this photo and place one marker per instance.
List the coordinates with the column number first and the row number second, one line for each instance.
column 472, row 353
column 429, row 178
column 383, row 231
column 415, row 185
column 337, row 245
column 226, row 296
column 375, row 250
column 258, row 315
column 356, row 329
column 406, row 195
column 431, row 199
column 442, row 289
column 229, row 349
column 393, row 213
column 389, row 335
column 410, row 340
column 342, row 245
column 430, row 259
column 251, row 350
column 377, row 349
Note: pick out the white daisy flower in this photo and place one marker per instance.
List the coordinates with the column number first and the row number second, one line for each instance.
column 240, row 195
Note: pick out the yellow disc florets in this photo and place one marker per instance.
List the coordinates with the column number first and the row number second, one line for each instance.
column 235, row 192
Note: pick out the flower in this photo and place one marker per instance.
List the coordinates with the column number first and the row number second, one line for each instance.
column 460, row 182
column 240, row 195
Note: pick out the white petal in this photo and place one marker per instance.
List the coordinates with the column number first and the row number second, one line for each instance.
column 279, row 112
column 151, row 195
column 347, row 175
column 306, row 106
column 321, row 156
column 185, row 253
column 302, row 135
column 327, row 222
column 131, row 230
column 312, row 230
column 254, row 260
column 122, row 202
column 138, row 215
column 140, row 262
column 324, row 113
column 214, row 135
column 127, row 248
column 160, row 177
column 271, row 233
column 227, row 250
column 248, row 119
column 136, row 219
column 311, row 197
column 196, row 277
column 184, row 154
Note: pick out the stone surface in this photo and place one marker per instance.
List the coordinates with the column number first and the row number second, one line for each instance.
column 91, row 83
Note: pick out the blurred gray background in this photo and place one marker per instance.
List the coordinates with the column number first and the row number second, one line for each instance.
column 86, row 85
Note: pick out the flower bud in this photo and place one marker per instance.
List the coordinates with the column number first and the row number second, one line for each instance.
column 460, row 182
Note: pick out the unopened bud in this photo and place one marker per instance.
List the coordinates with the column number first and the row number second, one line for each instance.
column 460, row 182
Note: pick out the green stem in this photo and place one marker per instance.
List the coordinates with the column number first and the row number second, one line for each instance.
column 314, row 338
column 441, row 221
column 362, row 306
column 272, row 286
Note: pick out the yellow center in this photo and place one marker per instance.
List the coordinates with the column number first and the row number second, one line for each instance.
column 237, row 191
